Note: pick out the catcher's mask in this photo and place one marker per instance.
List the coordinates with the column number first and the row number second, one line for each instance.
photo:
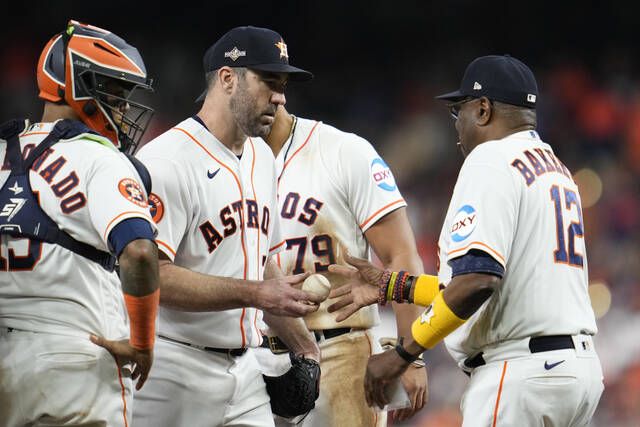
column 97, row 74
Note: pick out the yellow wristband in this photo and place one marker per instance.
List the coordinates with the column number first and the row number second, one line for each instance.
column 436, row 322
column 392, row 282
column 426, row 287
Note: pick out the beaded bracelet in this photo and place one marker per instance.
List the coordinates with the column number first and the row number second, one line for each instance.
column 383, row 286
column 399, row 286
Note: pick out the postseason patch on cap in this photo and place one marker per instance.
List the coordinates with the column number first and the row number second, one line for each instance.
column 130, row 190
column 382, row 175
column 235, row 53
column 464, row 222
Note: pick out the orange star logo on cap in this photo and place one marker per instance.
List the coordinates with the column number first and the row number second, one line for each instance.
column 283, row 49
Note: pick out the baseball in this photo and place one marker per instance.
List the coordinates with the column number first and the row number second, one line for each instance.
column 317, row 284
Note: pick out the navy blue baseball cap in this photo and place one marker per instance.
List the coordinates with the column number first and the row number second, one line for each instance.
column 255, row 48
column 499, row 78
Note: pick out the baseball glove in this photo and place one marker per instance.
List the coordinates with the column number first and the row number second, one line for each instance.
column 295, row 392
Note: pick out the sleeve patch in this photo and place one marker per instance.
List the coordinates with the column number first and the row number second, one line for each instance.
column 130, row 190
column 464, row 222
column 382, row 175
column 156, row 207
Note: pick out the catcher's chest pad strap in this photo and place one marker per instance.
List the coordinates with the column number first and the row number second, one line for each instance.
column 143, row 172
column 20, row 212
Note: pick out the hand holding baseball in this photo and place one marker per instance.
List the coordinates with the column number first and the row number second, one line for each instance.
column 317, row 284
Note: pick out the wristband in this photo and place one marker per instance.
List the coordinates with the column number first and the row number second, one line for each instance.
column 142, row 318
column 436, row 322
column 426, row 288
column 383, row 286
column 406, row 292
column 391, row 287
column 399, row 288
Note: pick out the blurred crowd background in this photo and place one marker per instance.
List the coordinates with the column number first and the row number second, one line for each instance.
column 377, row 67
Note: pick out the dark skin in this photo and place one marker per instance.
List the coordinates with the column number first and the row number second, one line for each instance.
column 139, row 278
column 478, row 121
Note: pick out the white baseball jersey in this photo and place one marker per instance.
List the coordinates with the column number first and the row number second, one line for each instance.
column 517, row 202
column 216, row 215
column 332, row 186
column 87, row 187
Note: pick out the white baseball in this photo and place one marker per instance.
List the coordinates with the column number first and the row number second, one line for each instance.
column 317, row 284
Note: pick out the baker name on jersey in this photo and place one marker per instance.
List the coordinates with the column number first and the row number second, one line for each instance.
column 538, row 162
column 232, row 218
column 62, row 187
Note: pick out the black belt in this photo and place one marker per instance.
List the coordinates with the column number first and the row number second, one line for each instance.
column 330, row 333
column 277, row 346
column 235, row 352
column 536, row 345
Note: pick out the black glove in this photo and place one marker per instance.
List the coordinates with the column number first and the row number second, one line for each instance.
column 295, row 392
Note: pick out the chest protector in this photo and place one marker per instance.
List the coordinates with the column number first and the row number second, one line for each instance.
column 20, row 213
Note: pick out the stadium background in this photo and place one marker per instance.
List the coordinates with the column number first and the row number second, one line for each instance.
column 378, row 66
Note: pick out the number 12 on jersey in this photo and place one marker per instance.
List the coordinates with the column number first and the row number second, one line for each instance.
column 565, row 253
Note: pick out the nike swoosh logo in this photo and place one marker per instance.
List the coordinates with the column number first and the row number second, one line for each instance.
column 212, row 174
column 548, row 366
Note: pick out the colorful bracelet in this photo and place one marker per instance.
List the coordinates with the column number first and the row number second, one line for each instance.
column 383, row 285
column 392, row 286
column 399, row 287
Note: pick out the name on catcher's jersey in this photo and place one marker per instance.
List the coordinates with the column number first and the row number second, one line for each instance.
column 332, row 186
column 517, row 202
column 87, row 187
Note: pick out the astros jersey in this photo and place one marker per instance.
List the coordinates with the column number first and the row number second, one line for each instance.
column 332, row 186
column 87, row 187
column 517, row 202
column 216, row 215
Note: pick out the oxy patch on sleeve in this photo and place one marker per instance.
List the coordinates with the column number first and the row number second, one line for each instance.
column 464, row 223
column 382, row 175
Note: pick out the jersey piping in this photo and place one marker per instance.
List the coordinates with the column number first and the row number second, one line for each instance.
column 284, row 167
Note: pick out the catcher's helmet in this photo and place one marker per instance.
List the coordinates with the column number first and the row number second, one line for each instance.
column 96, row 73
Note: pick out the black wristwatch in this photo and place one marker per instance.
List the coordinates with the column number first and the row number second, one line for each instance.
column 406, row 356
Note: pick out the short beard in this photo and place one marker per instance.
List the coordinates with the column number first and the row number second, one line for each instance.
column 244, row 110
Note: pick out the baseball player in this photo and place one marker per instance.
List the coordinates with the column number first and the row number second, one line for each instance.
column 515, row 311
column 215, row 206
column 70, row 205
column 336, row 194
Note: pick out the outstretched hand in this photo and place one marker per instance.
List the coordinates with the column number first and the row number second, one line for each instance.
column 359, row 291
column 124, row 353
